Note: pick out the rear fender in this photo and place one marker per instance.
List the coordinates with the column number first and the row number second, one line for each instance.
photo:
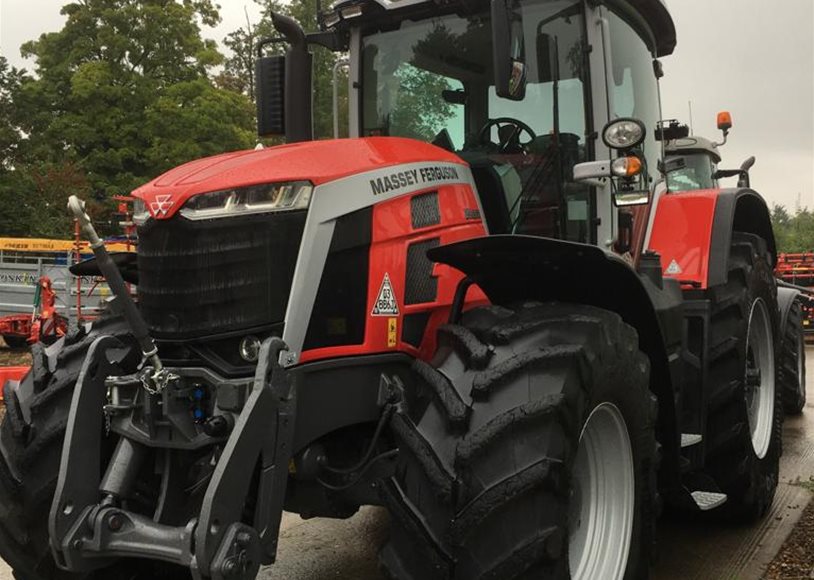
column 513, row 268
column 692, row 232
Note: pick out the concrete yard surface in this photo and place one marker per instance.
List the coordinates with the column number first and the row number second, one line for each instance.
column 323, row 549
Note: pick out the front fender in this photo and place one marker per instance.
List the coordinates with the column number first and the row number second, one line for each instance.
column 513, row 268
column 692, row 231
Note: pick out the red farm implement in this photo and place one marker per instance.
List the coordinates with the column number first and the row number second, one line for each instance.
column 798, row 269
column 19, row 330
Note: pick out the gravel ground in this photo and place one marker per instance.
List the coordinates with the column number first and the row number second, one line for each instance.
column 795, row 561
column 13, row 358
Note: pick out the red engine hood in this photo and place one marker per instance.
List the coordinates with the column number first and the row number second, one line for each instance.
column 315, row 161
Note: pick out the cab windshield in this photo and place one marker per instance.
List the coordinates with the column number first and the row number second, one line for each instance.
column 696, row 173
column 433, row 80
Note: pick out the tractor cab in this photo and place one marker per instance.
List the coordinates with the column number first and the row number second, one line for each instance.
column 693, row 163
column 520, row 90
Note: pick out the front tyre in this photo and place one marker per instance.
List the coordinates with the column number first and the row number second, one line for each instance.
column 31, row 438
column 528, row 451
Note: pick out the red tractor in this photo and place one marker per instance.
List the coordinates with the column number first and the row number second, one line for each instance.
column 691, row 164
column 483, row 311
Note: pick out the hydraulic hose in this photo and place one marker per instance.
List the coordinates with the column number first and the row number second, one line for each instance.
column 116, row 284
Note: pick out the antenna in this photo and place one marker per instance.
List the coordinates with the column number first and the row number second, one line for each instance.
column 692, row 130
column 250, row 32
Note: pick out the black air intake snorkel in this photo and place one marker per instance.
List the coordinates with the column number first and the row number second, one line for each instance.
column 284, row 96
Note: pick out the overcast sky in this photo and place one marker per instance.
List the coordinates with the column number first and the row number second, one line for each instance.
column 754, row 58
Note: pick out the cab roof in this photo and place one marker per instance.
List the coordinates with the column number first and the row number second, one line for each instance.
column 693, row 144
column 658, row 17
column 653, row 12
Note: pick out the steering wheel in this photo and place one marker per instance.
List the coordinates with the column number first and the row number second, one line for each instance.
column 509, row 131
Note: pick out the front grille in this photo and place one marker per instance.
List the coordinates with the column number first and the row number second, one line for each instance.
column 199, row 278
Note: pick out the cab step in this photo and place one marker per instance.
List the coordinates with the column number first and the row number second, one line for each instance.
column 690, row 439
column 708, row 500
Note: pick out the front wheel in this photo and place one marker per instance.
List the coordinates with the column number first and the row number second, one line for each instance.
column 31, row 437
column 528, row 451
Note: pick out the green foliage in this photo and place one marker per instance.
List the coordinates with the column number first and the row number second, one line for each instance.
column 421, row 111
column 239, row 68
column 120, row 94
column 793, row 233
column 193, row 120
column 10, row 137
column 33, row 199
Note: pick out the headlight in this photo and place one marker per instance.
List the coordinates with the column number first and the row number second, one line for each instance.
column 624, row 134
column 140, row 213
column 264, row 198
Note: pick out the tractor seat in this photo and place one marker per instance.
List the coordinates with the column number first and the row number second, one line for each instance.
column 491, row 193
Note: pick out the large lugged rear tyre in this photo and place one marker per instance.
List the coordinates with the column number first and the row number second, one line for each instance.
column 792, row 375
column 744, row 416
column 31, row 438
column 529, row 427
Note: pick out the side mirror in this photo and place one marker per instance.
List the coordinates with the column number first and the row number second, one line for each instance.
column 270, row 95
column 509, row 50
column 631, row 198
column 743, row 180
column 742, row 174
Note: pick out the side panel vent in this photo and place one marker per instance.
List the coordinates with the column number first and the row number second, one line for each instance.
column 421, row 286
column 424, row 210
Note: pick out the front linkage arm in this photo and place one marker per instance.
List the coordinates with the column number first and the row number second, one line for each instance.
column 89, row 529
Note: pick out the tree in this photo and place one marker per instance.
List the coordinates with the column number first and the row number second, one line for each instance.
column 239, row 67
column 193, row 120
column 10, row 136
column 795, row 233
column 114, row 63
column 32, row 200
column 421, row 111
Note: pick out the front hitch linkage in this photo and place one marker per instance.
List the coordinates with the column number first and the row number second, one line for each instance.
column 88, row 528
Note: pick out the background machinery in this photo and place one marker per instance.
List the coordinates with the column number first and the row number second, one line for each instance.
column 692, row 165
column 484, row 311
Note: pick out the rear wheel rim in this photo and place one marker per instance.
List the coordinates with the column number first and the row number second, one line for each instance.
column 760, row 387
column 602, row 506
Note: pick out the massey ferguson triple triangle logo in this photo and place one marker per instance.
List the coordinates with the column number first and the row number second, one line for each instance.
column 161, row 205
